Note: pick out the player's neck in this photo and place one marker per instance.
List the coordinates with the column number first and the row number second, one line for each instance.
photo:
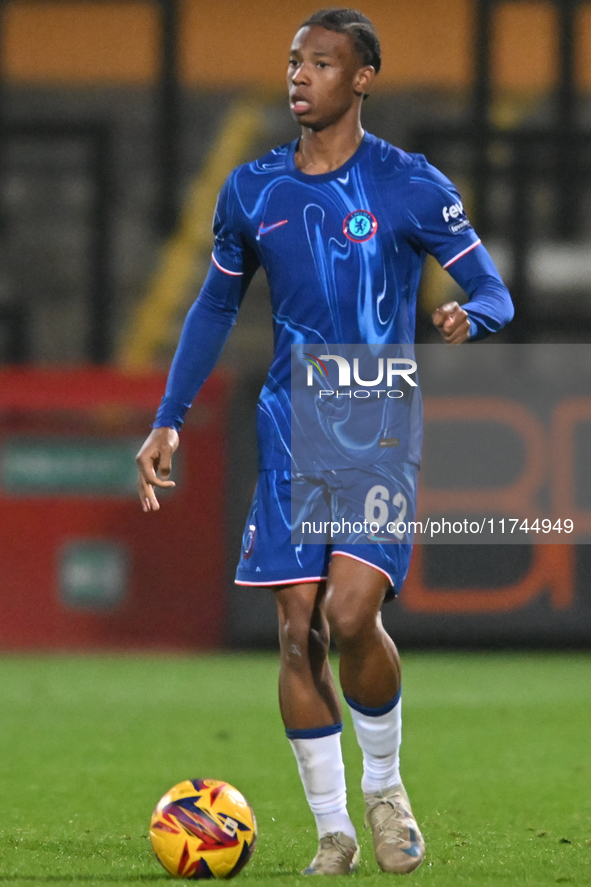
column 327, row 150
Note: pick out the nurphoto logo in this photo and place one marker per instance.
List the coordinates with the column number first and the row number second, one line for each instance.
column 388, row 371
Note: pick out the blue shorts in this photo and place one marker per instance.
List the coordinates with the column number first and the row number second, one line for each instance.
column 269, row 555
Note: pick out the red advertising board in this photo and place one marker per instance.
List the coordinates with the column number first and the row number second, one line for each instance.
column 82, row 566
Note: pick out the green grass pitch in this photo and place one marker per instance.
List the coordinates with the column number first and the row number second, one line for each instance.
column 496, row 758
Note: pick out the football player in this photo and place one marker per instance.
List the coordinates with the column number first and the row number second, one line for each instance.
column 341, row 222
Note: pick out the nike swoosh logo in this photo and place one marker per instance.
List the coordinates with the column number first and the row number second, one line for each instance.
column 263, row 230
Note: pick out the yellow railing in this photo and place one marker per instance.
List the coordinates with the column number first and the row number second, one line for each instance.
column 185, row 256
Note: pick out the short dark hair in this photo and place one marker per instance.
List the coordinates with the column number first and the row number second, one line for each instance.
column 361, row 30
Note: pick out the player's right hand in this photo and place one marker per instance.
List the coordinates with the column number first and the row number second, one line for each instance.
column 154, row 462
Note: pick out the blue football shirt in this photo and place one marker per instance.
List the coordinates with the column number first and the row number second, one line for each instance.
column 343, row 254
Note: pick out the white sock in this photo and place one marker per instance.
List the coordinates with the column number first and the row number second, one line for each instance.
column 379, row 734
column 320, row 762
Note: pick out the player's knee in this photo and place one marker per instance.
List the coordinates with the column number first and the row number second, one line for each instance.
column 349, row 626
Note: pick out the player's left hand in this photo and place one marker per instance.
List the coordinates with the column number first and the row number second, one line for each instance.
column 452, row 322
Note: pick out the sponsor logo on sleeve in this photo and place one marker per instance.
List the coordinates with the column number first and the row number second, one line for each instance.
column 456, row 217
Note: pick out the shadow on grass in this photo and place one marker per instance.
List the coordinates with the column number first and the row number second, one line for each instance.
column 112, row 879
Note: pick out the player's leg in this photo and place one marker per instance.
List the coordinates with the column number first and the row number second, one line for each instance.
column 370, row 679
column 308, row 700
column 312, row 716
column 369, row 666
column 307, row 693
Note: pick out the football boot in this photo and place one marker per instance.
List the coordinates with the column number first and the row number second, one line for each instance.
column 338, row 854
column 398, row 844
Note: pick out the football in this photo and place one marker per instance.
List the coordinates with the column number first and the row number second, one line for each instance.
column 203, row 828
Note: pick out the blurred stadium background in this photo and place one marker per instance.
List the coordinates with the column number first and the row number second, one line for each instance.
column 119, row 122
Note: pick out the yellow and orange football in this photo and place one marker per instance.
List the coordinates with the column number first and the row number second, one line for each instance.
column 203, row 828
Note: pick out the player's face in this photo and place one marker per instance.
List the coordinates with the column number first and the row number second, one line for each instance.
column 325, row 76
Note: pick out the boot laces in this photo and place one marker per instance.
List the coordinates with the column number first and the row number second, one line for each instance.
column 389, row 818
column 331, row 849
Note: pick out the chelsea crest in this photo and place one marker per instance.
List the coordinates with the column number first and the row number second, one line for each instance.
column 360, row 225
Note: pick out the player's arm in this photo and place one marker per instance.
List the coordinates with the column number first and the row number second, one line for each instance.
column 204, row 334
column 438, row 224
column 489, row 306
